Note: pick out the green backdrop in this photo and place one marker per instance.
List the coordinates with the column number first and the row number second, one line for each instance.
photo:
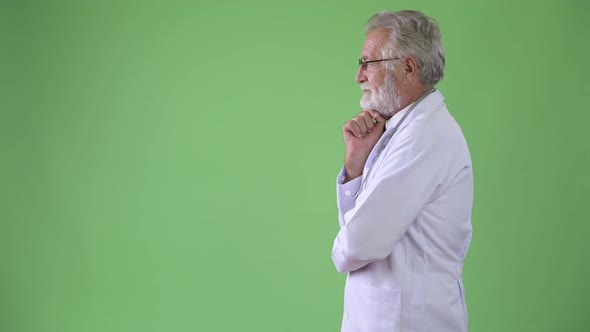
column 170, row 165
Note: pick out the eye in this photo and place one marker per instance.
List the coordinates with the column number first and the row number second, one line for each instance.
column 363, row 64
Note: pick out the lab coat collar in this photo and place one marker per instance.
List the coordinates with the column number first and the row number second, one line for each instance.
column 429, row 102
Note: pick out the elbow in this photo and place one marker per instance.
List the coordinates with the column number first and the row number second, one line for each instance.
column 345, row 263
column 342, row 264
column 351, row 258
column 341, row 269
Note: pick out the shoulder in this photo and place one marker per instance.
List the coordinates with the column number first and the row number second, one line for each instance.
column 435, row 132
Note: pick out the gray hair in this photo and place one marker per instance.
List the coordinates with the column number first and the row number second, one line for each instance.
column 414, row 34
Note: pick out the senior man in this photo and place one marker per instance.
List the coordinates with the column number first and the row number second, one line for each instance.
column 405, row 192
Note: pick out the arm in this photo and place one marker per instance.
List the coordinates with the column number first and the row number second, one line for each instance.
column 384, row 211
column 360, row 134
column 345, row 194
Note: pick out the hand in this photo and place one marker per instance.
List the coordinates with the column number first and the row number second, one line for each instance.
column 361, row 134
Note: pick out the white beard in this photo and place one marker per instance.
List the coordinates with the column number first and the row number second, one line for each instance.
column 386, row 101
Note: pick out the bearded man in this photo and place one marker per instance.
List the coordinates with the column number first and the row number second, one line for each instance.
column 405, row 192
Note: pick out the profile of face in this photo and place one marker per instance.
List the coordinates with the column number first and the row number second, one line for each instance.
column 379, row 86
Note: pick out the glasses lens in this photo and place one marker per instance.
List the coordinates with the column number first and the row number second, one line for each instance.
column 363, row 64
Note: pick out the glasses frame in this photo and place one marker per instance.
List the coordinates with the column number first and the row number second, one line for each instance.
column 364, row 64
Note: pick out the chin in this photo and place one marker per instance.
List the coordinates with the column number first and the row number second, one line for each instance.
column 386, row 115
column 365, row 104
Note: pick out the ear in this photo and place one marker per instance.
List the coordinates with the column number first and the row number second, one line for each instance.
column 410, row 69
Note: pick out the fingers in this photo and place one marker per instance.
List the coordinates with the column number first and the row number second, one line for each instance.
column 360, row 122
column 353, row 127
column 376, row 117
column 363, row 124
column 366, row 120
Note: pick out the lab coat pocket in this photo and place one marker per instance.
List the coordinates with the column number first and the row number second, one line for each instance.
column 383, row 308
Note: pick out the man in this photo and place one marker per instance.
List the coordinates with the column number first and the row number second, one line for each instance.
column 405, row 192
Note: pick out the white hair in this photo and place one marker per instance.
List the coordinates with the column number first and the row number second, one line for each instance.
column 414, row 34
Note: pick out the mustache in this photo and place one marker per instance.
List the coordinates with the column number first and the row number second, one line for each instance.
column 366, row 86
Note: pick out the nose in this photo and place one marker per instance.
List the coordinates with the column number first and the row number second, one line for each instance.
column 360, row 75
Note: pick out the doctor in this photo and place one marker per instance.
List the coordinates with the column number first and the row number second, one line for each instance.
column 405, row 192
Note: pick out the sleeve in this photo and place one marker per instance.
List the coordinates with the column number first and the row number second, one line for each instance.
column 345, row 194
column 385, row 209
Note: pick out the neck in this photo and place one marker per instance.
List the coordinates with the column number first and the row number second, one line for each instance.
column 412, row 96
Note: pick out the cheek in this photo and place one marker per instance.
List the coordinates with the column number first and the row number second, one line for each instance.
column 376, row 80
column 376, row 84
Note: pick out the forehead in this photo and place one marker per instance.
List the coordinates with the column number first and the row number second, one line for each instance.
column 375, row 40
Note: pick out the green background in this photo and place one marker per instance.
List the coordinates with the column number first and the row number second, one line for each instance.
column 170, row 166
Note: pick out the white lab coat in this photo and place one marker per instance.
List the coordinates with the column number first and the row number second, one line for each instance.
column 403, row 239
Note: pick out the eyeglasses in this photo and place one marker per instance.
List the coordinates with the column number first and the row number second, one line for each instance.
column 364, row 64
